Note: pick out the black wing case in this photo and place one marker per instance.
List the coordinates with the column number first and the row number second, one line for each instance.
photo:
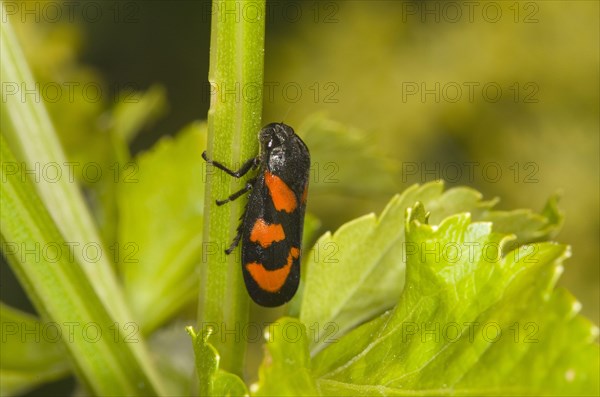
column 271, row 244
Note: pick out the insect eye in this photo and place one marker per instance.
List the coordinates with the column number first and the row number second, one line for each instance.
column 274, row 141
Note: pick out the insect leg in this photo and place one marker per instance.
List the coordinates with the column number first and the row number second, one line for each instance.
column 247, row 166
column 235, row 242
column 237, row 194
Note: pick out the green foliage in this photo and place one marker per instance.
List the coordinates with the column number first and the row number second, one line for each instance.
column 64, row 294
column 377, row 278
column 334, row 171
column 160, row 201
column 395, row 312
column 285, row 370
column 439, row 294
column 130, row 114
column 212, row 380
column 471, row 321
column 542, row 132
column 336, row 149
column 23, row 364
column 527, row 226
column 372, row 247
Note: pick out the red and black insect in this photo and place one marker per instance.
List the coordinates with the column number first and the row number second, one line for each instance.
column 271, row 226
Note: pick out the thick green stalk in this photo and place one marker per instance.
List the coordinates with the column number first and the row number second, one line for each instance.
column 234, row 119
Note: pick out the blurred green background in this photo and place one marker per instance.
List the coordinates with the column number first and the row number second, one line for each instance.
column 501, row 96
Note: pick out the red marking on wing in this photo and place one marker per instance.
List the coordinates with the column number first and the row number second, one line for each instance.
column 283, row 197
column 266, row 234
column 272, row 280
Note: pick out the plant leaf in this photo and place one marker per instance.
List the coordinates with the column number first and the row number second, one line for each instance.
column 160, row 230
column 28, row 356
column 309, row 234
column 173, row 357
column 375, row 251
column 358, row 272
column 28, row 130
column 212, row 380
column 470, row 323
column 105, row 360
column 527, row 226
column 135, row 110
column 349, row 176
column 285, row 370
column 344, row 161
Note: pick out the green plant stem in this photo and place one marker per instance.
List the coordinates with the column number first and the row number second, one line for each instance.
column 234, row 119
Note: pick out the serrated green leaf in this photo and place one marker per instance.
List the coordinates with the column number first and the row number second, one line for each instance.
column 28, row 356
column 358, row 272
column 526, row 225
column 160, row 239
column 212, row 380
column 469, row 323
column 285, row 370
